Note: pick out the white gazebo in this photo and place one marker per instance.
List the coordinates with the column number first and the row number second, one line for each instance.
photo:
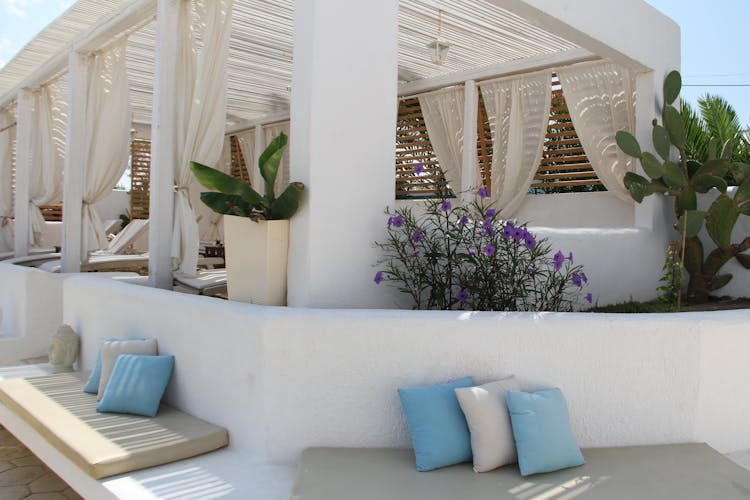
column 190, row 72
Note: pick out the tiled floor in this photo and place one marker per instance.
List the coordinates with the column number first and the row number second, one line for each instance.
column 23, row 476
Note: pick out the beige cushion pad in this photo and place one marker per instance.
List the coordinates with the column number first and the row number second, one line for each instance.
column 684, row 471
column 105, row 444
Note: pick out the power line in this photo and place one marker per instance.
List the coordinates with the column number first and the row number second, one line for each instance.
column 717, row 85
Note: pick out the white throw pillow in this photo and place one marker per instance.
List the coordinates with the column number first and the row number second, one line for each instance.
column 486, row 413
column 111, row 350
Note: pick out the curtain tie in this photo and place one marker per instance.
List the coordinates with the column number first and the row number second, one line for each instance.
column 4, row 221
column 178, row 189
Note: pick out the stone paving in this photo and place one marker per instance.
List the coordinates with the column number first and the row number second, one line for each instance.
column 23, row 476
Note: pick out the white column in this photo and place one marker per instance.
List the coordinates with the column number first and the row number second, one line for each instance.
column 469, row 174
column 260, row 144
column 343, row 121
column 163, row 146
column 23, row 165
column 74, row 164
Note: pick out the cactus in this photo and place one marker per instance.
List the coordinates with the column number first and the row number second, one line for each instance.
column 684, row 180
column 234, row 197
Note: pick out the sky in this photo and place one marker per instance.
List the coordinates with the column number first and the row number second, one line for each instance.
column 714, row 46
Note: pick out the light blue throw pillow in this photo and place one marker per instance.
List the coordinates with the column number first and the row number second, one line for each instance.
column 137, row 384
column 92, row 384
column 541, row 429
column 437, row 425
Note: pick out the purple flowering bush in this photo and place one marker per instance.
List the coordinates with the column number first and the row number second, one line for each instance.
column 465, row 257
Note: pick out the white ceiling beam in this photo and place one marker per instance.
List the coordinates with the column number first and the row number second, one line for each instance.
column 632, row 34
column 501, row 69
column 134, row 14
column 263, row 120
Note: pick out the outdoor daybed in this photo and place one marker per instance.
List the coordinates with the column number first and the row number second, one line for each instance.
column 104, row 444
column 685, row 471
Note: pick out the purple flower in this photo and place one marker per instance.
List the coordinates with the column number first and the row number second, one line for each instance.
column 576, row 279
column 378, row 277
column 417, row 236
column 445, row 206
column 508, row 231
column 463, row 220
column 589, row 298
column 519, row 233
column 419, row 168
column 491, row 212
column 463, row 295
column 396, row 221
column 482, row 193
column 489, row 250
column 557, row 260
column 570, row 258
column 531, row 271
column 584, row 278
column 417, row 253
column 529, row 240
column 472, row 251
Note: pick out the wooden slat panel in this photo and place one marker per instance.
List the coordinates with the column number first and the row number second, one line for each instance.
column 52, row 213
column 140, row 178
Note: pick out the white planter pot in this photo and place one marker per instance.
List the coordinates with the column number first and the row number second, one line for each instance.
column 256, row 259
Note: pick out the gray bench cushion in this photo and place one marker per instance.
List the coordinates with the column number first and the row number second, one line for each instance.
column 105, row 444
column 685, row 471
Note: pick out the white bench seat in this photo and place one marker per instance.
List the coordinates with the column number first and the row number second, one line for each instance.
column 685, row 471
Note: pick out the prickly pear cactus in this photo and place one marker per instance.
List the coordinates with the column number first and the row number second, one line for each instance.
column 683, row 179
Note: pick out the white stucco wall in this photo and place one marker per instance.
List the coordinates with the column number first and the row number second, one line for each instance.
column 282, row 379
column 30, row 311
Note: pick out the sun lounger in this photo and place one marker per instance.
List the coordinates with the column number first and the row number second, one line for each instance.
column 4, row 256
column 207, row 281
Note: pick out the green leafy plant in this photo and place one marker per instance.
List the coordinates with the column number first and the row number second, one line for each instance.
column 671, row 275
column 466, row 257
column 231, row 196
column 683, row 180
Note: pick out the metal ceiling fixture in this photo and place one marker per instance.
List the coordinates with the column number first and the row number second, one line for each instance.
column 439, row 48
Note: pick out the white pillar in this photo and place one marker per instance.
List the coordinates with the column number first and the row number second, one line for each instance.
column 163, row 145
column 260, row 144
column 74, row 164
column 343, row 121
column 469, row 174
column 23, row 166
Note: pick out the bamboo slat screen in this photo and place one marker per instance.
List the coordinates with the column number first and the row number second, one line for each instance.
column 52, row 213
column 238, row 164
column 564, row 168
column 484, row 144
column 140, row 172
column 413, row 146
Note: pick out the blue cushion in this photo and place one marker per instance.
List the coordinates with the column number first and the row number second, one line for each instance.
column 92, row 384
column 541, row 429
column 437, row 425
column 137, row 384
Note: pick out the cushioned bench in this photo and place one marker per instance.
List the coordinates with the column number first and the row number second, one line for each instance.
column 105, row 444
column 685, row 471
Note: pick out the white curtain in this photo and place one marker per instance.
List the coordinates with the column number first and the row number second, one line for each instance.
column 443, row 113
column 201, row 94
column 282, row 177
column 518, row 109
column 246, row 140
column 7, row 133
column 209, row 222
column 47, row 155
column 601, row 100
column 107, row 136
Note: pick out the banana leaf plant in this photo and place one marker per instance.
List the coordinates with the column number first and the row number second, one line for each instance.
column 231, row 196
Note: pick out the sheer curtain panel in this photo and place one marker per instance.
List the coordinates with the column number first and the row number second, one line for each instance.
column 601, row 101
column 7, row 132
column 443, row 113
column 518, row 109
column 201, row 113
column 107, row 137
column 48, row 156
